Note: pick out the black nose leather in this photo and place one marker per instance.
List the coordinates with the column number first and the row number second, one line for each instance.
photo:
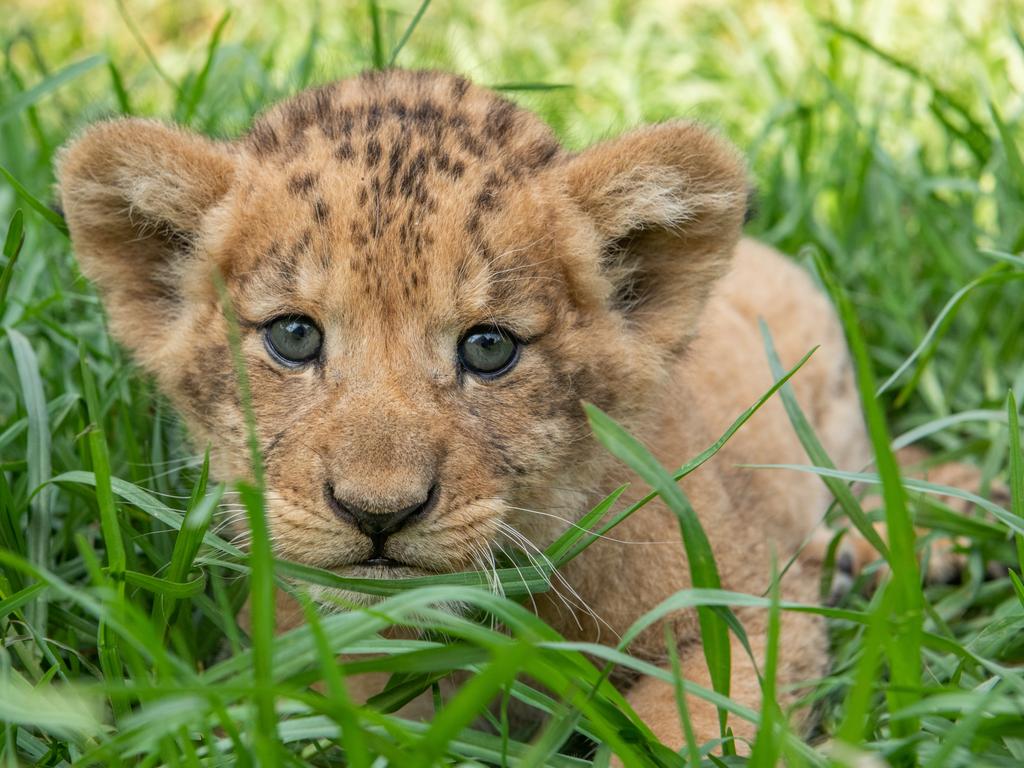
column 379, row 525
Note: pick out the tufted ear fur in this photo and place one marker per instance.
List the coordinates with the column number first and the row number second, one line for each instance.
column 135, row 194
column 668, row 204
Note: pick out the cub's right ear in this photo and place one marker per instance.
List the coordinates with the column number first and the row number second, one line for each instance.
column 135, row 194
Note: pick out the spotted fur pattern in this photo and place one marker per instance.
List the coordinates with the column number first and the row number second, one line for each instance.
column 399, row 209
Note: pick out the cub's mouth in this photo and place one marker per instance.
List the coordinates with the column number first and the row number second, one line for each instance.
column 383, row 562
column 383, row 568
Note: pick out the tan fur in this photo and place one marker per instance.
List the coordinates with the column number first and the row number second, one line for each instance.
column 398, row 210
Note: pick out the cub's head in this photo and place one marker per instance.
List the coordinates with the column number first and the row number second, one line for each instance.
column 427, row 285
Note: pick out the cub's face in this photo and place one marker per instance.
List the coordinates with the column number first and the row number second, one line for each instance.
column 426, row 286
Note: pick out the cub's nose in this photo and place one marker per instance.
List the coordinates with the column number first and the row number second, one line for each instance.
column 379, row 525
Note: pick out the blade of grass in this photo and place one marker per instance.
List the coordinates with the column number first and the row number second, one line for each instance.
column 975, row 137
column 38, row 458
column 1018, row 587
column 146, row 50
column 377, row 35
column 527, row 87
column 700, row 560
column 1006, row 518
column 261, row 589
column 304, row 68
column 564, row 544
column 117, row 82
column 907, row 601
column 816, row 452
column 408, row 32
column 691, row 465
column 198, row 89
column 996, row 274
column 678, row 684
column 189, row 539
column 1016, row 473
column 177, row 590
column 356, row 752
column 50, row 84
column 116, row 556
column 12, row 247
column 33, row 202
column 107, row 642
column 1013, row 161
column 857, row 706
column 765, row 752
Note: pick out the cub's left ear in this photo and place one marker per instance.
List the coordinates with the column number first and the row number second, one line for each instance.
column 668, row 204
column 136, row 194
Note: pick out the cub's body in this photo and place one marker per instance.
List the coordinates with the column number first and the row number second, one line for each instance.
column 750, row 515
column 397, row 217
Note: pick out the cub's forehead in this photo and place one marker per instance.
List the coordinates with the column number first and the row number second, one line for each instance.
column 403, row 188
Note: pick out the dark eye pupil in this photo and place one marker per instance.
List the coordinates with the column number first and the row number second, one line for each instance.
column 487, row 350
column 294, row 339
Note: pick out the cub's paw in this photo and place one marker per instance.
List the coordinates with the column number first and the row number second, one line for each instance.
column 941, row 558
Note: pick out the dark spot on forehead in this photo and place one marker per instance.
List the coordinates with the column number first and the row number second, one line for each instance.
column 301, row 183
column 373, row 117
column 373, row 152
column 321, row 211
column 417, row 168
column 500, row 119
column 459, row 88
column 487, row 199
column 396, row 155
column 344, row 151
column 540, row 153
column 302, row 244
column 263, row 138
column 323, row 107
column 357, row 235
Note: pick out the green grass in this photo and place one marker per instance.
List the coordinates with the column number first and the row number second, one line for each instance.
column 887, row 143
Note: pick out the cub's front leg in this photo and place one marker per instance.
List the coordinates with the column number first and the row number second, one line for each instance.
column 803, row 656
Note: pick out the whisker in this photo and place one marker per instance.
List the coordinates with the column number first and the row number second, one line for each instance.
column 588, row 530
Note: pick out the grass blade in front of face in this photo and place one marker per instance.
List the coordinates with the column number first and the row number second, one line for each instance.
column 703, row 572
column 816, row 451
column 577, row 539
column 261, row 556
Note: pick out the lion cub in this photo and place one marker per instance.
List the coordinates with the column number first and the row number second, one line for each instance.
column 428, row 286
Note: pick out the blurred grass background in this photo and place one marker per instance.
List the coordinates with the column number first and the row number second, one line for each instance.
column 886, row 140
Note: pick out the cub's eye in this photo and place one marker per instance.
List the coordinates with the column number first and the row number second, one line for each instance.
column 293, row 339
column 488, row 351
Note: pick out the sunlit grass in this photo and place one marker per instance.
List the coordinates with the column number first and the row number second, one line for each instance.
column 886, row 141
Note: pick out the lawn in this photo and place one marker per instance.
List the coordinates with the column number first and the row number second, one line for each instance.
column 887, row 142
